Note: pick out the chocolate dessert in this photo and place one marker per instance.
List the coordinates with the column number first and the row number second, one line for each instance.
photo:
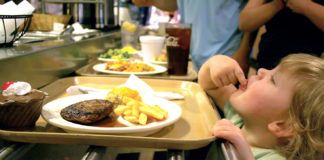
column 20, row 111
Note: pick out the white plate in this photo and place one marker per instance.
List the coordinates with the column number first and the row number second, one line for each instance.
column 102, row 68
column 154, row 61
column 108, row 59
column 51, row 113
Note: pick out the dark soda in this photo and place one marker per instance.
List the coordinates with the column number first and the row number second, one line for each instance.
column 177, row 60
column 178, row 48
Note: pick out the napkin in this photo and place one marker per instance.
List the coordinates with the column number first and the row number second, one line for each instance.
column 133, row 82
column 10, row 8
column 146, row 91
column 7, row 8
column 78, row 29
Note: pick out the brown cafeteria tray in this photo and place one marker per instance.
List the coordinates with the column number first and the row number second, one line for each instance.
column 191, row 131
column 88, row 71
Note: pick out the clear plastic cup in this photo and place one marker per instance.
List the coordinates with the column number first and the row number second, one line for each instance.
column 130, row 33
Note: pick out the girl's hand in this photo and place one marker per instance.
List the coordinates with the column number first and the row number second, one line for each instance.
column 225, row 70
column 225, row 129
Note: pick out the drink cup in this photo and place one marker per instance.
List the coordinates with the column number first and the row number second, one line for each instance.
column 130, row 33
column 178, row 47
column 151, row 46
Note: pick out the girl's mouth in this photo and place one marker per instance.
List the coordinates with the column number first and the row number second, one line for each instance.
column 243, row 87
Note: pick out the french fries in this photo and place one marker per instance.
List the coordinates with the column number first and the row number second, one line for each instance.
column 142, row 119
column 139, row 113
column 132, row 109
column 120, row 109
column 131, row 119
column 150, row 111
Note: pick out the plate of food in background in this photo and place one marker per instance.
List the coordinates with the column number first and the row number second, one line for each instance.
column 161, row 59
column 121, row 111
column 129, row 67
column 125, row 53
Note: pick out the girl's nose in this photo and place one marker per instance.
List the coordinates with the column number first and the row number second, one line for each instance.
column 262, row 72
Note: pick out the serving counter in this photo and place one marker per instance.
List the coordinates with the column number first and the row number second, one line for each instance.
column 42, row 62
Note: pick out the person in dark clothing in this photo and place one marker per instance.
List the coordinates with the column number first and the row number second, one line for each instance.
column 292, row 26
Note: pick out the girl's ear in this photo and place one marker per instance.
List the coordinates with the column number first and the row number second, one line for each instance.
column 281, row 129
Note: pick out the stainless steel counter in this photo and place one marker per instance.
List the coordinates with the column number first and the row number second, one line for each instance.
column 41, row 63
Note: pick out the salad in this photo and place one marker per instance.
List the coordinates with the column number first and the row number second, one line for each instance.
column 117, row 54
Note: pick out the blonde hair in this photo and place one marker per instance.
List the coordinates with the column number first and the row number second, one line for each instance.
column 306, row 112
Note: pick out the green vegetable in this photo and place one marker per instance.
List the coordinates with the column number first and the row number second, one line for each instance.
column 115, row 54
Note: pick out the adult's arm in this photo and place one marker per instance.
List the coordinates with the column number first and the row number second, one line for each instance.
column 312, row 10
column 243, row 53
column 257, row 12
column 166, row 5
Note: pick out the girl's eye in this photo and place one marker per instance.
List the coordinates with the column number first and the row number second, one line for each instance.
column 272, row 80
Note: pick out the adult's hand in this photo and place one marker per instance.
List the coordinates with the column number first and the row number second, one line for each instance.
column 297, row 5
column 257, row 12
column 243, row 62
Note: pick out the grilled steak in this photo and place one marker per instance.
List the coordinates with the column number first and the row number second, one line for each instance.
column 88, row 111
